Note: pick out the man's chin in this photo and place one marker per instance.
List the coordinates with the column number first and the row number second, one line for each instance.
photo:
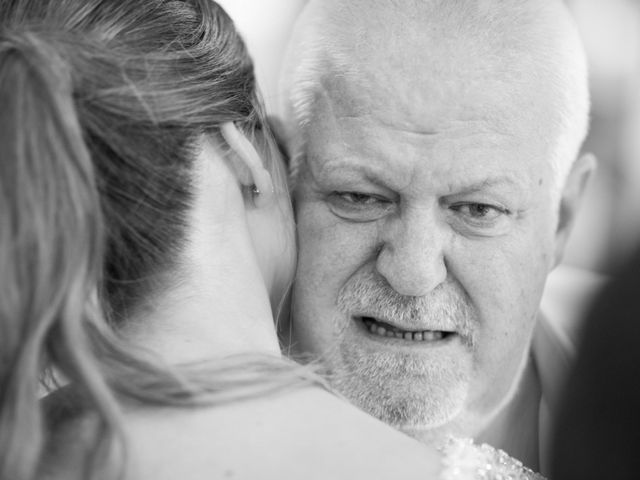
column 423, row 416
column 412, row 392
column 433, row 425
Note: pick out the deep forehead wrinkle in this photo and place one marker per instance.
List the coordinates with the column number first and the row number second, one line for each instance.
column 406, row 127
column 401, row 126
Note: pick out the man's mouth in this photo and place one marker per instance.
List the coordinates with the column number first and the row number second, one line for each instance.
column 383, row 329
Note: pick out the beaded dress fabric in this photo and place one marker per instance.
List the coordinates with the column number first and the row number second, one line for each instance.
column 464, row 460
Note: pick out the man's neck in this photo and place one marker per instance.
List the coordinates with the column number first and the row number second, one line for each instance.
column 515, row 428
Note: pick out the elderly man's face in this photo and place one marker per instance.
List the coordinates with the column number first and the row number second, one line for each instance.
column 427, row 223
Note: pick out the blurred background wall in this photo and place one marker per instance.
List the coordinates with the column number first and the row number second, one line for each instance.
column 265, row 26
column 609, row 224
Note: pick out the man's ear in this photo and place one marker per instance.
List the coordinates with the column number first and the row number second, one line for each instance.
column 571, row 199
column 285, row 139
column 280, row 134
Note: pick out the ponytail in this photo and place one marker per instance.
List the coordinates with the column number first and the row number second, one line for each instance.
column 87, row 237
column 50, row 241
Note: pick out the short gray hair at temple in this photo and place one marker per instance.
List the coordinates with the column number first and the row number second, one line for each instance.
column 317, row 47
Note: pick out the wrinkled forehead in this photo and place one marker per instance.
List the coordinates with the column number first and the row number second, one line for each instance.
column 411, row 64
column 445, row 102
column 511, row 67
column 429, row 92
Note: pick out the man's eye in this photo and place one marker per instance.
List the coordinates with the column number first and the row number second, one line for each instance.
column 482, row 217
column 357, row 198
column 479, row 210
column 358, row 206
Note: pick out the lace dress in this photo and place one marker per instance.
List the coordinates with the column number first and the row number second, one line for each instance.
column 464, row 460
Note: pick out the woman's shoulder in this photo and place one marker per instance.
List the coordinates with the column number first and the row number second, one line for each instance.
column 306, row 433
column 288, row 436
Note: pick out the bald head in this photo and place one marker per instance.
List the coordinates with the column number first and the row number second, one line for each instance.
column 523, row 58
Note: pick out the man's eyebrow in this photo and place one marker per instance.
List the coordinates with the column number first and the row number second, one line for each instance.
column 351, row 168
column 501, row 181
column 376, row 173
column 346, row 164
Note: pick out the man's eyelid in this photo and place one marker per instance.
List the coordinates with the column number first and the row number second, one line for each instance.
column 490, row 199
column 362, row 186
column 495, row 211
column 369, row 207
column 365, row 193
column 488, row 204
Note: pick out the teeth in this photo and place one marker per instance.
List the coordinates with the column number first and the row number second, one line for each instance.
column 431, row 335
column 424, row 336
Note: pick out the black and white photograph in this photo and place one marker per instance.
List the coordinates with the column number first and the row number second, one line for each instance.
column 319, row 239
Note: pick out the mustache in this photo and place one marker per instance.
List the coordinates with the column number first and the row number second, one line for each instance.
column 447, row 305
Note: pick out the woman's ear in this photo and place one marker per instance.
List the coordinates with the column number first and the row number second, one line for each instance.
column 248, row 165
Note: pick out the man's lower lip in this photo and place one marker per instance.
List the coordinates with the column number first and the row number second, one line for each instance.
column 377, row 329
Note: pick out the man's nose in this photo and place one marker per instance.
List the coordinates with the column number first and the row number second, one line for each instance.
column 412, row 255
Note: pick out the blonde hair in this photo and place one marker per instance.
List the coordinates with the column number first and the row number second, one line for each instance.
column 101, row 106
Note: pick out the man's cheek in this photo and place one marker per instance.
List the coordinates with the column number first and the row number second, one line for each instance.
column 317, row 252
column 316, row 225
column 330, row 243
column 506, row 297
